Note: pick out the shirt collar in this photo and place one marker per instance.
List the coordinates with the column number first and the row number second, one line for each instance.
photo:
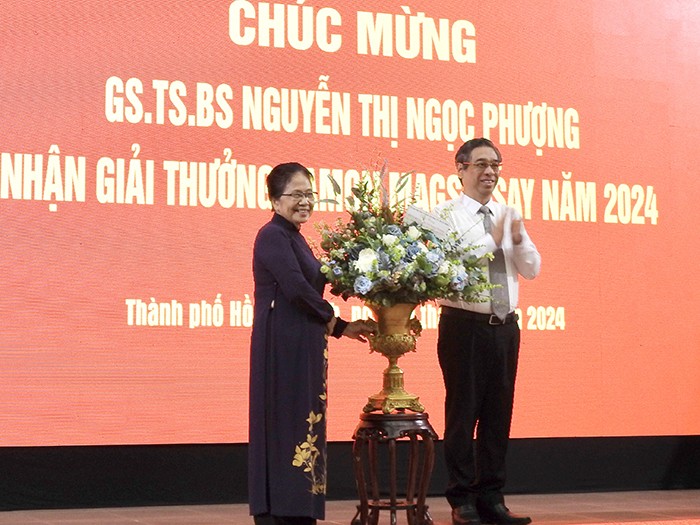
column 473, row 205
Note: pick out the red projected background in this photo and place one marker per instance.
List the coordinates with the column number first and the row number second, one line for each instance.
column 134, row 144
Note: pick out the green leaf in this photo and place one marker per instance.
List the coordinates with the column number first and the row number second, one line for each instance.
column 403, row 180
column 336, row 187
column 327, row 201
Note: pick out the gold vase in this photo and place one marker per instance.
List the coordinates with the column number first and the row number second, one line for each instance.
column 396, row 335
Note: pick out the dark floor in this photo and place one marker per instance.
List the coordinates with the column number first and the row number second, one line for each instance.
column 652, row 507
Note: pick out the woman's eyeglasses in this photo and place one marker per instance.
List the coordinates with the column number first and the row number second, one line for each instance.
column 299, row 196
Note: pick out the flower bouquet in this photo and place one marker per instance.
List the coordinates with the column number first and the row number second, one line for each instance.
column 393, row 263
column 383, row 259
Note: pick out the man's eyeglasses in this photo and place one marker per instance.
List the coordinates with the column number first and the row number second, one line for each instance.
column 298, row 196
column 482, row 165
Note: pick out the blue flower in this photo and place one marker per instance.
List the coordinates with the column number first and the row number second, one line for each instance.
column 362, row 285
column 459, row 281
column 412, row 251
column 337, row 270
column 383, row 260
column 393, row 229
column 435, row 259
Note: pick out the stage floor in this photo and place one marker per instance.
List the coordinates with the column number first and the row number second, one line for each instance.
column 674, row 507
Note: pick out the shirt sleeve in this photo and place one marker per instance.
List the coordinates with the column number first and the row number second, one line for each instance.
column 274, row 251
column 340, row 326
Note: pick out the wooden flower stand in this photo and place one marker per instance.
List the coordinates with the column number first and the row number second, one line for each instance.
column 375, row 444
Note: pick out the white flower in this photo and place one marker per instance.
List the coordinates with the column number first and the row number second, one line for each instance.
column 366, row 261
column 444, row 268
column 413, row 233
column 389, row 240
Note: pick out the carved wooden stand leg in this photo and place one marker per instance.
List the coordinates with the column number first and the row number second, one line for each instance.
column 376, row 436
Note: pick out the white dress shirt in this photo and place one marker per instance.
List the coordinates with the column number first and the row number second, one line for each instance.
column 463, row 216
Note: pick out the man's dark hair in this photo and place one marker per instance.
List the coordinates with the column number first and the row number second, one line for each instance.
column 465, row 151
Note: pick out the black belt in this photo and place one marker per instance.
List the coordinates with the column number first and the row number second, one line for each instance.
column 491, row 319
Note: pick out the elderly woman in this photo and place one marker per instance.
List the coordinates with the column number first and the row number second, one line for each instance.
column 287, row 452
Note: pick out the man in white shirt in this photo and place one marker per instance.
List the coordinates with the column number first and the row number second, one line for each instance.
column 478, row 343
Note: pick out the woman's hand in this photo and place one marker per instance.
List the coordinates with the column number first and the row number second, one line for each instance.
column 330, row 325
column 359, row 330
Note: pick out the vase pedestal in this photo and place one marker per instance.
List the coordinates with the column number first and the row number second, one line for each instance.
column 379, row 472
column 393, row 396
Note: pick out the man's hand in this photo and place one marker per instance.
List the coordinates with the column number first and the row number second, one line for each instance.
column 516, row 229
